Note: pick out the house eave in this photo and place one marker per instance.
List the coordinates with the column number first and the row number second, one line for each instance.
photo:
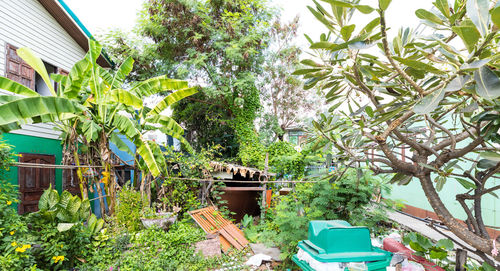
column 69, row 22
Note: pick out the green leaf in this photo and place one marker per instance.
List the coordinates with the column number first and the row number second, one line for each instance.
column 485, row 163
column 487, row 267
column 124, row 97
column 401, row 179
column 493, row 156
column 126, row 126
column 427, row 166
column 171, row 99
column 427, row 15
column 78, row 75
column 31, row 107
column 369, row 111
column 487, row 83
column 438, row 254
column 466, row 184
column 94, row 51
column 443, row 6
column 495, row 16
column 468, row 33
column 304, row 71
column 446, row 244
column 124, row 70
column 16, row 88
column 440, row 183
column 309, row 62
column 145, row 150
column 456, row 84
column 370, row 26
column 320, row 18
column 429, row 102
column 62, row 227
column 171, row 127
column 115, row 139
column 91, row 130
column 156, row 85
column 339, row 3
column 346, row 31
column 37, row 64
column 365, row 9
column 384, row 4
column 418, row 65
column 477, row 11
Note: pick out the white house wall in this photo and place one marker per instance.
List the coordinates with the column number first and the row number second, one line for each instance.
column 26, row 23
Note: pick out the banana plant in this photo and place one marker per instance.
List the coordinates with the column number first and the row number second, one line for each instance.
column 97, row 104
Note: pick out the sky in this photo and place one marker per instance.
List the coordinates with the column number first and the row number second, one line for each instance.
column 101, row 15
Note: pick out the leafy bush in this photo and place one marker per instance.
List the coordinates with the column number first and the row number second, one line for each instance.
column 15, row 248
column 58, row 229
column 285, row 160
column 347, row 199
column 154, row 249
column 435, row 252
column 129, row 209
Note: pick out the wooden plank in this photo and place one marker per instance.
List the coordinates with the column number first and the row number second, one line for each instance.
column 211, row 221
column 229, row 238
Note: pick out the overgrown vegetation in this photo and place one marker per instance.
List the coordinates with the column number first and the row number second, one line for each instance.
column 345, row 198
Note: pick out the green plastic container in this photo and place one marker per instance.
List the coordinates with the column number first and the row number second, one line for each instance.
column 338, row 241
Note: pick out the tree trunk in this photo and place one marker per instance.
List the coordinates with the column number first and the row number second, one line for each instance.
column 447, row 218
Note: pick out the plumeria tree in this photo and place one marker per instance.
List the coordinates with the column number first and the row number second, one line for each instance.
column 434, row 93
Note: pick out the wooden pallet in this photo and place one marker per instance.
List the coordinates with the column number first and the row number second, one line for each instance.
column 211, row 221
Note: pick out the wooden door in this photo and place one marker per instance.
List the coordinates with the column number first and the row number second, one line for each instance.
column 33, row 181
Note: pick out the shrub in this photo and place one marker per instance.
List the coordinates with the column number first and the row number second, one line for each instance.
column 347, row 199
column 154, row 249
column 129, row 209
column 59, row 231
column 15, row 248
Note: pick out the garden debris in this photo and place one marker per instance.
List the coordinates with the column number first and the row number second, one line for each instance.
column 211, row 221
column 209, row 247
column 274, row 252
column 256, row 260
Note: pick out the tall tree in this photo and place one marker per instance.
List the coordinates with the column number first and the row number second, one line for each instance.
column 435, row 95
column 218, row 44
column 284, row 99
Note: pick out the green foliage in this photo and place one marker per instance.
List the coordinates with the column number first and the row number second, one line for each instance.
column 129, row 209
column 15, row 247
column 58, row 229
column 436, row 252
column 347, row 198
column 220, row 43
column 428, row 93
column 285, row 160
column 154, row 249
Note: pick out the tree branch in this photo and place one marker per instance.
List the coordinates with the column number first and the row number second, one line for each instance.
column 391, row 60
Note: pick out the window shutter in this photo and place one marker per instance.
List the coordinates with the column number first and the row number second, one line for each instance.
column 62, row 71
column 18, row 70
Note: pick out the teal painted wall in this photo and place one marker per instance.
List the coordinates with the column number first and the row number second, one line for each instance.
column 413, row 194
column 38, row 145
